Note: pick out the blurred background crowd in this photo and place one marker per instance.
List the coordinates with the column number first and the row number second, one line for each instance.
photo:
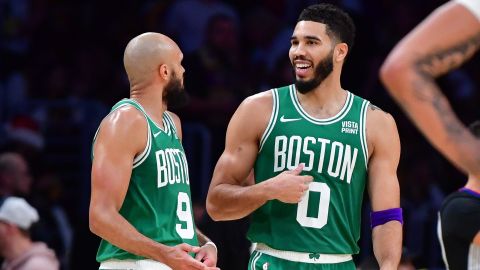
column 61, row 71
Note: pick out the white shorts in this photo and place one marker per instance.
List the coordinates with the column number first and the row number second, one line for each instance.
column 303, row 257
column 133, row 265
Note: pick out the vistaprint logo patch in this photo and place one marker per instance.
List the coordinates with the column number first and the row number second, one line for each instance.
column 349, row 127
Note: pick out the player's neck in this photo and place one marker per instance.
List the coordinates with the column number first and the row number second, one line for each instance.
column 152, row 101
column 329, row 89
column 324, row 101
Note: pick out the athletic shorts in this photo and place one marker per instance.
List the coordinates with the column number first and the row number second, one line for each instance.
column 133, row 265
column 266, row 258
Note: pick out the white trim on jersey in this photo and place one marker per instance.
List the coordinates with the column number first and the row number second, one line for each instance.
column 172, row 123
column 254, row 260
column 166, row 125
column 94, row 141
column 145, row 112
column 363, row 132
column 303, row 257
column 273, row 118
column 327, row 121
column 141, row 158
column 133, row 264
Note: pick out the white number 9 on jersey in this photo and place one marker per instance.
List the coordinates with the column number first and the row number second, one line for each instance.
column 183, row 202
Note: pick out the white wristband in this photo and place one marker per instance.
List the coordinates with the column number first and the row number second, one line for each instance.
column 211, row 244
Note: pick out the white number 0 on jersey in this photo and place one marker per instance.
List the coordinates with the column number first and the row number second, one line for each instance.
column 184, row 214
column 321, row 219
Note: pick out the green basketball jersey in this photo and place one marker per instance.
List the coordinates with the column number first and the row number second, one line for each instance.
column 157, row 202
column 334, row 151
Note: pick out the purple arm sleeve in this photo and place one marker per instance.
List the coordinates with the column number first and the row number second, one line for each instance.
column 384, row 216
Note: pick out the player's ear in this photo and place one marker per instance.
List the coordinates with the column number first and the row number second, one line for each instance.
column 340, row 52
column 163, row 71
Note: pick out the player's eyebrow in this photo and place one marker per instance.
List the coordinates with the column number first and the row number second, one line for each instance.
column 306, row 37
column 313, row 38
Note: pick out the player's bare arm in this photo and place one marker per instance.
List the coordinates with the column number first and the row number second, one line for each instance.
column 208, row 251
column 444, row 41
column 384, row 151
column 231, row 196
column 111, row 171
column 122, row 135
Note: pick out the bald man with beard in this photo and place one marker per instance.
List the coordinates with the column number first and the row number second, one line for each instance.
column 140, row 203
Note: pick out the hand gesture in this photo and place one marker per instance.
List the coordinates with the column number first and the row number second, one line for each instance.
column 177, row 258
column 290, row 186
column 208, row 255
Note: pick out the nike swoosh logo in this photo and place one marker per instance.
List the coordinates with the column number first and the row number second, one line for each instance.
column 156, row 134
column 284, row 120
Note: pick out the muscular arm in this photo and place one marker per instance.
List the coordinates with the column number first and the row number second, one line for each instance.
column 231, row 195
column 444, row 41
column 383, row 187
column 121, row 136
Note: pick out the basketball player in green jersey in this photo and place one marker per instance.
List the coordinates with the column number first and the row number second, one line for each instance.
column 140, row 202
column 313, row 148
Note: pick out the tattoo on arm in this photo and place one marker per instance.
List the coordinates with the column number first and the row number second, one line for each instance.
column 440, row 62
column 435, row 64
column 375, row 108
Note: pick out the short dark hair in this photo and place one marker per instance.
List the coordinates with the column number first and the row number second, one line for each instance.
column 339, row 24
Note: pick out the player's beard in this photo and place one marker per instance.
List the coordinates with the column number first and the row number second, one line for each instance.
column 323, row 69
column 174, row 93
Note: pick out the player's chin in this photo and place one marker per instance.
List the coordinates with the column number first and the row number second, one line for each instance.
column 303, row 79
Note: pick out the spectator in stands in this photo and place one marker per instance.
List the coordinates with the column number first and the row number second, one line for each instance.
column 54, row 227
column 214, row 78
column 15, row 178
column 187, row 20
column 24, row 136
column 16, row 246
